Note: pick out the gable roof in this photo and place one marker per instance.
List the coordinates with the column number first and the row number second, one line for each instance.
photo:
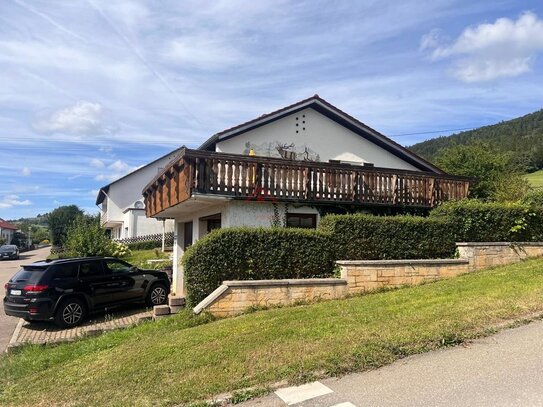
column 6, row 225
column 102, row 193
column 332, row 112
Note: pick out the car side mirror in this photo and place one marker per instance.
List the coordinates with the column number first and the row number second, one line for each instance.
column 133, row 269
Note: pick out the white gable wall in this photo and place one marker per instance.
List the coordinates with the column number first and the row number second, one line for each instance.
column 322, row 136
column 124, row 193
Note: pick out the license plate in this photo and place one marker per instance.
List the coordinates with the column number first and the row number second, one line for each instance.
column 16, row 292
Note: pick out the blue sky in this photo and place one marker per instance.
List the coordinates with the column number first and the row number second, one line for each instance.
column 90, row 90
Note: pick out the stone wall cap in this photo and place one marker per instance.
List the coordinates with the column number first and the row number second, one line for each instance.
column 210, row 299
column 400, row 262
column 479, row 244
column 285, row 282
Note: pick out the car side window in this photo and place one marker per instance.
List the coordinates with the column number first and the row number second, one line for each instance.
column 116, row 267
column 63, row 271
column 90, row 269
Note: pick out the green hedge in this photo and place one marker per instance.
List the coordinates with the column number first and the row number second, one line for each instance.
column 368, row 237
column 476, row 221
column 149, row 245
column 254, row 254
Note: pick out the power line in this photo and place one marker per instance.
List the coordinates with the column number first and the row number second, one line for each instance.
column 431, row 132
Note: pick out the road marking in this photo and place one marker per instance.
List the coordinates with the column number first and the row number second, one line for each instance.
column 297, row 394
column 346, row 404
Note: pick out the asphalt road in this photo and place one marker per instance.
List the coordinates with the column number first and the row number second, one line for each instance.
column 7, row 269
column 501, row 370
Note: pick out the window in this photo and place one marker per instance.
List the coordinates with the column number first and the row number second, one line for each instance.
column 212, row 222
column 116, row 267
column 302, row 220
column 90, row 269
column 66, row 271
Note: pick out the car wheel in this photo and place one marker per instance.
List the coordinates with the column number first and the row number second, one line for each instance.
column 158, row 295
column 70, row 313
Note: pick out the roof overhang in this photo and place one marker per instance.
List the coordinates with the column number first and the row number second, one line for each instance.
column 327, row 109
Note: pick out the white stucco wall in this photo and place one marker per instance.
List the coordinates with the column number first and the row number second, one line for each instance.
column 124, row 193
column 259, row 214
column 7, row 235
column 135, row 223
column 321, row 136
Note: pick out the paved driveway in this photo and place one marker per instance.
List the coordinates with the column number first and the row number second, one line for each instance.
column 7, row 269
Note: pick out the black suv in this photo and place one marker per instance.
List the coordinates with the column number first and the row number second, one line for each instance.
column 67, row 290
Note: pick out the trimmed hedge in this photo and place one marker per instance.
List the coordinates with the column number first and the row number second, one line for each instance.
column 148, row 245
column 254, row 254
column 368, row 237
column 476, row 221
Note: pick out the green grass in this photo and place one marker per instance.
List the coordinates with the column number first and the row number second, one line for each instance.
column 187, row 358
column 139, row 257
column 535, row 179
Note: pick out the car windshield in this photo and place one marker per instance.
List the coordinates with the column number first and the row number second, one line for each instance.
column 30, row 274
column 8, row 248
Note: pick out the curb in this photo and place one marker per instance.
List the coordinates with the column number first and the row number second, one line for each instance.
column 13, row 341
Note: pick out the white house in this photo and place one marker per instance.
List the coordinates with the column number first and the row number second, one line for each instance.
column 7, row 230
column 122, row 210
column 288, row 168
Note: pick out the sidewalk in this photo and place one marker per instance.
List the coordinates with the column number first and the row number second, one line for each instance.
column 501, row 370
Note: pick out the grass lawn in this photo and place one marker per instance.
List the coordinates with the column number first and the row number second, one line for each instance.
column 535, row 179
column 186, row 358
column 139, row 257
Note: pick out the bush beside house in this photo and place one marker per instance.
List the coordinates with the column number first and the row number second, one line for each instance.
column 368, row 237
column 476, row 221
column 254, row 254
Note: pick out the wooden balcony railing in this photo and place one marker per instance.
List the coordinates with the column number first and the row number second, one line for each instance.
column 273, row 179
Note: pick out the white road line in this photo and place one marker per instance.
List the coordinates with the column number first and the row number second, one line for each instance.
column 293, row 395
column 346, row 404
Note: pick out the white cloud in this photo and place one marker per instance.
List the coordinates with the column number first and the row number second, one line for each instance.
column 13, row 200
column 82, row 118
column 97, row 163
column 26, row 172
column 202, row 52
column 505, row 48
column 117, row 169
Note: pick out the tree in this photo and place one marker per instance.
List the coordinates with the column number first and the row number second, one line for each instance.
column 86, row 238
column 495, row 175
column 60, row 221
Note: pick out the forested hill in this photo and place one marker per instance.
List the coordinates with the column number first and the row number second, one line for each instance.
column 522, row 136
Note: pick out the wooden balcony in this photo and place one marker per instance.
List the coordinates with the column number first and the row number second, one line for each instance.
column 197, row 172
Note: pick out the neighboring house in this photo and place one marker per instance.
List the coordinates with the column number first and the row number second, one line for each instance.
column 291, row 166
column 122, row 206
column 7, row 230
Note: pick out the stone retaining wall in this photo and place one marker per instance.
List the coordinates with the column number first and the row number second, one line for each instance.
column 235, row 297
column 367, row 275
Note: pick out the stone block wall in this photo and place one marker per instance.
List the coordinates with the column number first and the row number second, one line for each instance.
column 235, row 297
column 368, row 275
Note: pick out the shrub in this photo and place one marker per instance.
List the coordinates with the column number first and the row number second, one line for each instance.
column 148, row 245
column 368, row 237
column 119, row 249
column 533, row 198
column 254, row 254
column 45, row 241
column 86, row 238
column 476, row 221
